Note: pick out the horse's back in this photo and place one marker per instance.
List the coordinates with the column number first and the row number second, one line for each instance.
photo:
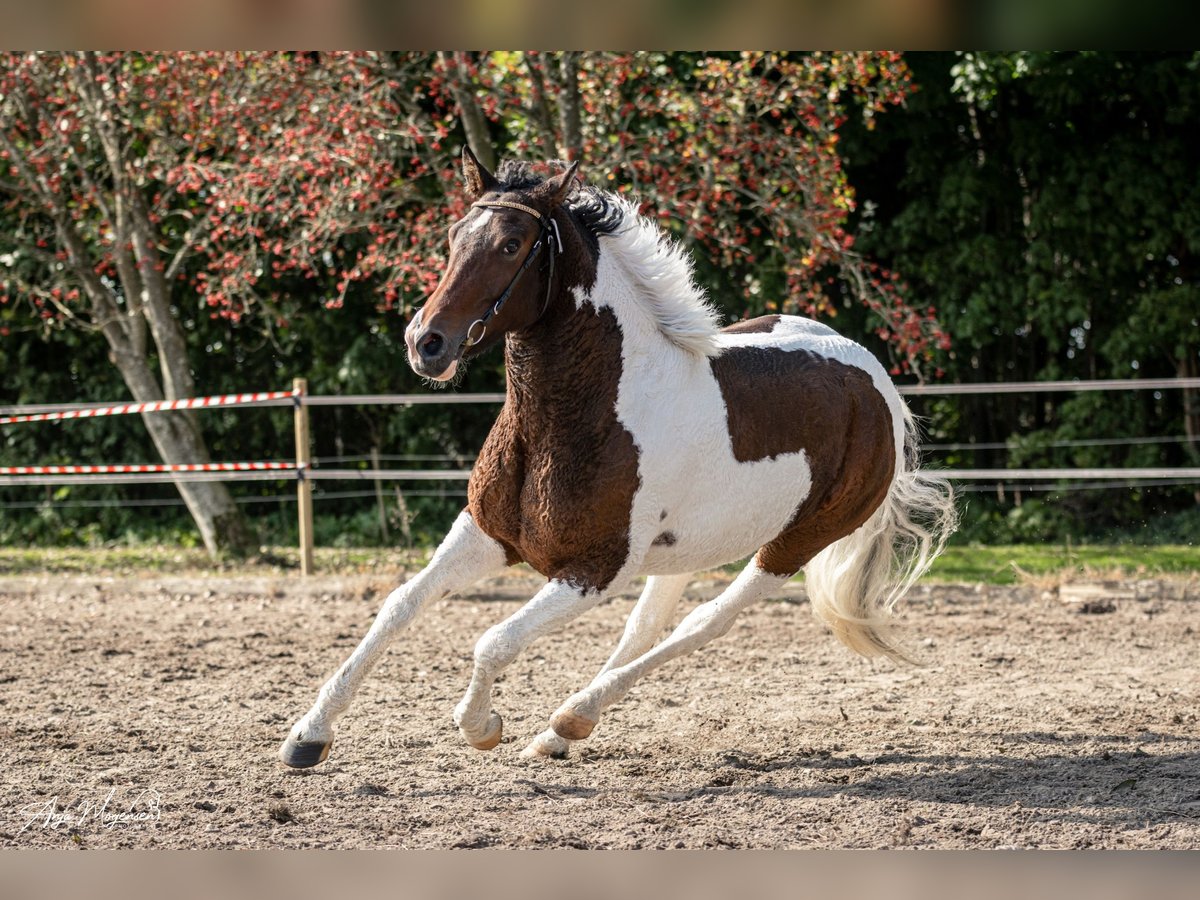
column 793, row 429
column 779, row 325
column 809, row 360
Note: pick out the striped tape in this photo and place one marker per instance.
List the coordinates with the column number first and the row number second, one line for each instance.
column 148, row 467
column 26, row 476
column 122, row 409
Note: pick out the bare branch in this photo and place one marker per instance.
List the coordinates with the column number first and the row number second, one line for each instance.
column 539, row 104
column 474, row 122
column 569, row 103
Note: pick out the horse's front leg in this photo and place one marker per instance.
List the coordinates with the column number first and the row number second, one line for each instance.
column 560, row 601
column 465, row 556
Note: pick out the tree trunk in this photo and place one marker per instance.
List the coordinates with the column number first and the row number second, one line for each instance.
column 474, row 122
column 568, row 106
column 539, row 106
column 177, row 438
column 176, row 435
column 223, row 527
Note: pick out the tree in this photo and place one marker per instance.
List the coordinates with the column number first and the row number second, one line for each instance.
column 152, row 191
column 735, row 153
column 168, row 203
column 1047, row 205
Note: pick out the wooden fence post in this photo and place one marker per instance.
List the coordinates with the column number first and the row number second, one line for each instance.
column 383, row 526
column 303, row 483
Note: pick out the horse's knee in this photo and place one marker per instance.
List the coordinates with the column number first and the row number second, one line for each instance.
column 496, row 648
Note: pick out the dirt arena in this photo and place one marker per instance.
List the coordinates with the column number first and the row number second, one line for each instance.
column 146, row 712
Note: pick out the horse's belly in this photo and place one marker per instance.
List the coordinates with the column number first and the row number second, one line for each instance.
column 723, row 513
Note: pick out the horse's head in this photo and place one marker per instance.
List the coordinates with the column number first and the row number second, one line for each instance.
column 499, row 275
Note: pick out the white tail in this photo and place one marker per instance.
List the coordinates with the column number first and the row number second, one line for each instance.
column 855, row 583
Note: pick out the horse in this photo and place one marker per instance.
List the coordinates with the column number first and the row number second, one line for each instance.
column 639, row 438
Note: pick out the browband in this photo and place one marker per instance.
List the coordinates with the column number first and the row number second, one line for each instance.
column 511, row 205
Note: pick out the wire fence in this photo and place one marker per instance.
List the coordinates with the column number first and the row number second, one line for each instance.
column 308, row 471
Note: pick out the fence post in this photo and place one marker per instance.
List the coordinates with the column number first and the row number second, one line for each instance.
column 383, row 528
column 303, row 483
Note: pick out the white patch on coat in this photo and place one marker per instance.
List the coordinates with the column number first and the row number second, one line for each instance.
column 718, row 509
column 660, row 271
column 479, row 221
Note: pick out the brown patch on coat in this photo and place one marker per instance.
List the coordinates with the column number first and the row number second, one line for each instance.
column 783, row 401
column 555, row 480
column 761, row 325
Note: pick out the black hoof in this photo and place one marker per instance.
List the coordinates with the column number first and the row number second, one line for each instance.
column 303, row 754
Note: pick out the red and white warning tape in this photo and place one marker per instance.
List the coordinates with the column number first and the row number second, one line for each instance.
column 149, row 467
column 120, row 409
column 25, row 476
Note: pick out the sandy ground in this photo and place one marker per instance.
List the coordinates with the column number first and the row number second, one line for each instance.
column 147, row 712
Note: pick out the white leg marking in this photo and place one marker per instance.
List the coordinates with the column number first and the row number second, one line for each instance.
column 706, row 622
column 551, row 608
column 649, row 619
column 465, row 556
column 646, row 623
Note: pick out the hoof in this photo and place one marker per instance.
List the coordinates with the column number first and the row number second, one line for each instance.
column 571, row 726
column 303, row 754
column 547, row 745
column 492, row 738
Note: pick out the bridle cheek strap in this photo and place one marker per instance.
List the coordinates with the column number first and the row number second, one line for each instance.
column 549, row 236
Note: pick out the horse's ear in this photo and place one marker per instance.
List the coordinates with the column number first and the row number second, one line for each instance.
column 560, row 186
column 478, row 179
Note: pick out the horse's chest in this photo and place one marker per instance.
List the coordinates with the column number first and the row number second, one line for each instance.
column 560, row 500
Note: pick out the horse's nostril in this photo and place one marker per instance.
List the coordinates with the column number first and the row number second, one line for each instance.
column 431, row 345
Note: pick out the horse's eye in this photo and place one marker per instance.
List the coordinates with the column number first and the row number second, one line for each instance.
column 512, row 246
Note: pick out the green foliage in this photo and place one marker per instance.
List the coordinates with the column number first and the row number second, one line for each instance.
column 1047, row 205
column 1182, row 527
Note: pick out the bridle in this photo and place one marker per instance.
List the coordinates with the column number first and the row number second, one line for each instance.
column 548, row 236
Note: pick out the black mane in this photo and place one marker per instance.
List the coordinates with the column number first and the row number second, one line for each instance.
column 593, row 207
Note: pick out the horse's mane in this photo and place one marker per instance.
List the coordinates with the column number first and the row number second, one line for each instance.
column 659, row 266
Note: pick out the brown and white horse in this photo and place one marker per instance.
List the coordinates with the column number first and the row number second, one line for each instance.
column 639, row 438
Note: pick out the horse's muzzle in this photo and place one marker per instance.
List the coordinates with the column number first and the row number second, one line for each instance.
column 430, row 353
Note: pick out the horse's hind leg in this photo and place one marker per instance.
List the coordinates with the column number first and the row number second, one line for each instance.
column 556, row 604
column 577, row 717
column 465, row 556
column 647, row 621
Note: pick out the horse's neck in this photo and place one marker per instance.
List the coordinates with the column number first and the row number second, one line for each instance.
column 578, row 352
column 564, row 372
